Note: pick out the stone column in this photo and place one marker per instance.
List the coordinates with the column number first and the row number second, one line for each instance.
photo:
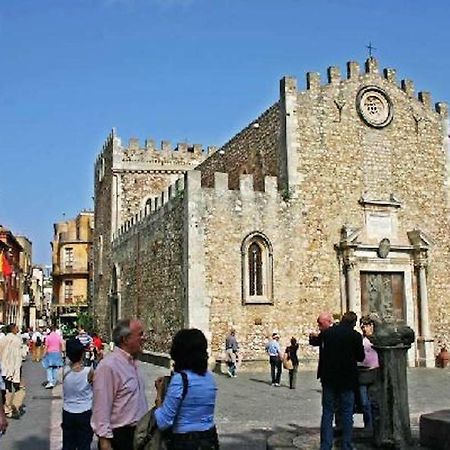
column 426, row 338
column 392, row 428
column 351, row 272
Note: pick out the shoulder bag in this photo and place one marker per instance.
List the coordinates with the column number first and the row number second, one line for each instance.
column 147, row 435
column 287, row 362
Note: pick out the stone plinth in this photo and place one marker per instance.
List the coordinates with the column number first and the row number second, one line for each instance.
column 392, row 427
column 435, row 430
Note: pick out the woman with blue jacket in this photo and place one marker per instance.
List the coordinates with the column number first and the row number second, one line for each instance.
column 188, row 406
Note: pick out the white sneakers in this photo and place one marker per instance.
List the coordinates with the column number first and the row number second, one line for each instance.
column 49, row 386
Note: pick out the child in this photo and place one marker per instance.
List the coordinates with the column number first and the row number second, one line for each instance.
column 77, row 406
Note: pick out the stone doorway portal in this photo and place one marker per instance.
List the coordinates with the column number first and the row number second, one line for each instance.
column 383, row 293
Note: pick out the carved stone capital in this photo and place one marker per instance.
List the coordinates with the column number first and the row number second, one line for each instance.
column 350, row 260
column 421, row 264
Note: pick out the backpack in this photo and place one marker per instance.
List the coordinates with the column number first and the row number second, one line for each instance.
column 147, row 436
column 38, row 341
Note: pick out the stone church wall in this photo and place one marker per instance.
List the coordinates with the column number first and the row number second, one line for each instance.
column 224, row 218
column 149, row 256
column 102, row 236
column 341, row 159
column 253, row 150
column 181, row 264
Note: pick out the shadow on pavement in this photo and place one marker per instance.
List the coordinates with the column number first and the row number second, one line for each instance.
column 253, row 440
column 32, row 442
column 256, row 380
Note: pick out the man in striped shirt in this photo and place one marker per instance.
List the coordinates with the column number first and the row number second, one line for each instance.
column 84, row 338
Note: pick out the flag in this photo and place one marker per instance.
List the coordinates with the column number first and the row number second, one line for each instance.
column 6, row 267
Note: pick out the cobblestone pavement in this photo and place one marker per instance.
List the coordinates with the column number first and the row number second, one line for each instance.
column 248, row 408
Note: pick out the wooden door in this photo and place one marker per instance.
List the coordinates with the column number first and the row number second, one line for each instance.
column 383, row 293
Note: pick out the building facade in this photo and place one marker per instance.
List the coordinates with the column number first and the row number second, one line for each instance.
column 335, row 198
column 26, row 268
column 71, row 267
column 11, row 284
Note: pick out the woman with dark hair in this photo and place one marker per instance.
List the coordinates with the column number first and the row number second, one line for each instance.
column 367, row 371
column 188, row 406
column 291, row 355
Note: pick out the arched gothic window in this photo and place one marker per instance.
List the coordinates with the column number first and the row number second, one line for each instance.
column 257, row 280
column 255, row 269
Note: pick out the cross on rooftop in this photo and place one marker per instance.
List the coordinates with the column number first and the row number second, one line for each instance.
column 370, row 47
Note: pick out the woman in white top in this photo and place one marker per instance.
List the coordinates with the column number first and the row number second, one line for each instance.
column 77, row 405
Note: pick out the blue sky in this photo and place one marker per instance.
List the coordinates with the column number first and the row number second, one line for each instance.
column 196, row 70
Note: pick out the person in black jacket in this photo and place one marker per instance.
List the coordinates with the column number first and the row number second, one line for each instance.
column 324, row 321
column 341, row 349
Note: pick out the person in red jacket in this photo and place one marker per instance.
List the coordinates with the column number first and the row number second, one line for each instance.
column 98, row 348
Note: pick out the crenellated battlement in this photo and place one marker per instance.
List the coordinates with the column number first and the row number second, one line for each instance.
column 192, row 184
column 148, row 156
column 314, row 82
column 107, row 145
column 149, row 152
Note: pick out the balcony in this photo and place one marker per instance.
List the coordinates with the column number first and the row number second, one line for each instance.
column 71, row 301
column 60, row 270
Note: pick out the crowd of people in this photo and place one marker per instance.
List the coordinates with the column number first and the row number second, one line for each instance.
column 47, row 346
column 346, row 368
column 106, row 396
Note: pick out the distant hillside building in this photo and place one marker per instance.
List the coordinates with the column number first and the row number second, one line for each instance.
column 71, row 267
column 335, row 198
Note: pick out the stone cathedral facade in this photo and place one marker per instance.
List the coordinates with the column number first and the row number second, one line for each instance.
column 335, row 198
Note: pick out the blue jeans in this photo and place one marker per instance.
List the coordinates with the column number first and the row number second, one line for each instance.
column 275, row 369
column 366, row 406
column 346, row 403
column 52, row 374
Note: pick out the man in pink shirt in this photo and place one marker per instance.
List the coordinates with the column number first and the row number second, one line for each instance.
column 119, row 391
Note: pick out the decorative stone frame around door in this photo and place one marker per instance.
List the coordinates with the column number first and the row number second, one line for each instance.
column 357, row 252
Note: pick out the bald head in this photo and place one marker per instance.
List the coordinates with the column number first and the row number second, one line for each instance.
column 324, row 321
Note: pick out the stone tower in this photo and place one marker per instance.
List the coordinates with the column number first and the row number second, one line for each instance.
column 127, row 177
